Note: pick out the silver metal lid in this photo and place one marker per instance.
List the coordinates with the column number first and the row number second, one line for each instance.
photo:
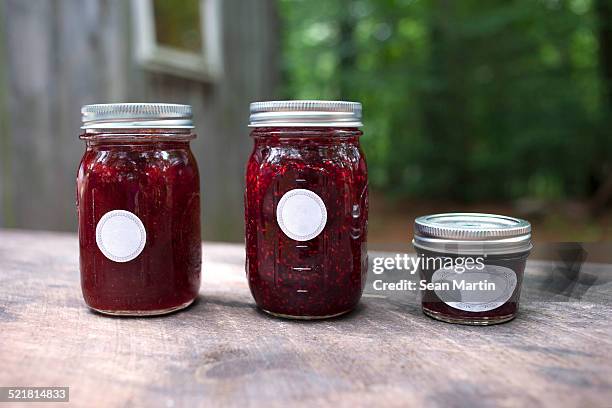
column 305, row 114
column 137, row 115
column 472, row 234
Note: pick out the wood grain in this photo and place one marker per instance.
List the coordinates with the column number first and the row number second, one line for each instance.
column 58, row 55
column 223, row 352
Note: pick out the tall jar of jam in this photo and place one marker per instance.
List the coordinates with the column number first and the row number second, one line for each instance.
column 306, row 208
column 471, row 266
column 138, row 204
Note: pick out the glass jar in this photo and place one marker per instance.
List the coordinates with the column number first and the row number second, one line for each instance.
column 306, row 208
column 138, row 204
column 473, row 266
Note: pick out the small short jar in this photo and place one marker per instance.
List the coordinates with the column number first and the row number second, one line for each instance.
column 138, row 204
column 306, row 208
column 473, row 265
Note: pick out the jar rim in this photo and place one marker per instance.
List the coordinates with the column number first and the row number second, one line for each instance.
column 305, row 113
column 472, row 233
column 137, row 134
column 137, row 116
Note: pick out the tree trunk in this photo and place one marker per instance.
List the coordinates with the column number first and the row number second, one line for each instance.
column 603, row 10
column 444, row 105
column 347, row 51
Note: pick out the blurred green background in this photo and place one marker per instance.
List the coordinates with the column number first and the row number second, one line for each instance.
column 501, row 106
column 504, row 102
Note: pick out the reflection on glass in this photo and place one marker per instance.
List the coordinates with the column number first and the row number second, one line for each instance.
column 177, row 24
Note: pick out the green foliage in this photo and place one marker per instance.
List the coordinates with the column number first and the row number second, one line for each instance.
column 465, row 99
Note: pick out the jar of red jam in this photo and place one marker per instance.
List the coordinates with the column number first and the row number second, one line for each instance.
column 471, row 266
column 306, row 208
column 138, row 203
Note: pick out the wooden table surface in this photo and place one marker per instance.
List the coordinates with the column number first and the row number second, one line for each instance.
column 223, row 352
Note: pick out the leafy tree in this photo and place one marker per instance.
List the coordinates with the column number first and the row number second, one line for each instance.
column 464, row 99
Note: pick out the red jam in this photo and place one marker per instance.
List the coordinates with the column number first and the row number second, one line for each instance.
column 306, row 277
column 131, row 179
column 437, row 308
column 472, row 266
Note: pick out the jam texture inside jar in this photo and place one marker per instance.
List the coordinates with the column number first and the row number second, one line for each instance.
column 138, row 204
column 306, row 208
column 473, row 265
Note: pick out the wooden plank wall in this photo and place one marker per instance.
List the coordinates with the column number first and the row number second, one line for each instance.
column 57, row 55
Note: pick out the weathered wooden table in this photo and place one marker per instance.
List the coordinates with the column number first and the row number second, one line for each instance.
column 223, row 352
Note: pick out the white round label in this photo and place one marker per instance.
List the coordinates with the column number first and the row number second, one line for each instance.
column 120, row 235
column 475, row 290
column 301, row 214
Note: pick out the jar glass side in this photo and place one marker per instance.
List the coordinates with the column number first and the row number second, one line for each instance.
column 325, row 275
column 508, row 268
column 153, row 175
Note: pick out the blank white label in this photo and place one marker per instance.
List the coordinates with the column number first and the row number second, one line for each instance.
column 503, row 279
column 301, row 214
column 120, row 235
